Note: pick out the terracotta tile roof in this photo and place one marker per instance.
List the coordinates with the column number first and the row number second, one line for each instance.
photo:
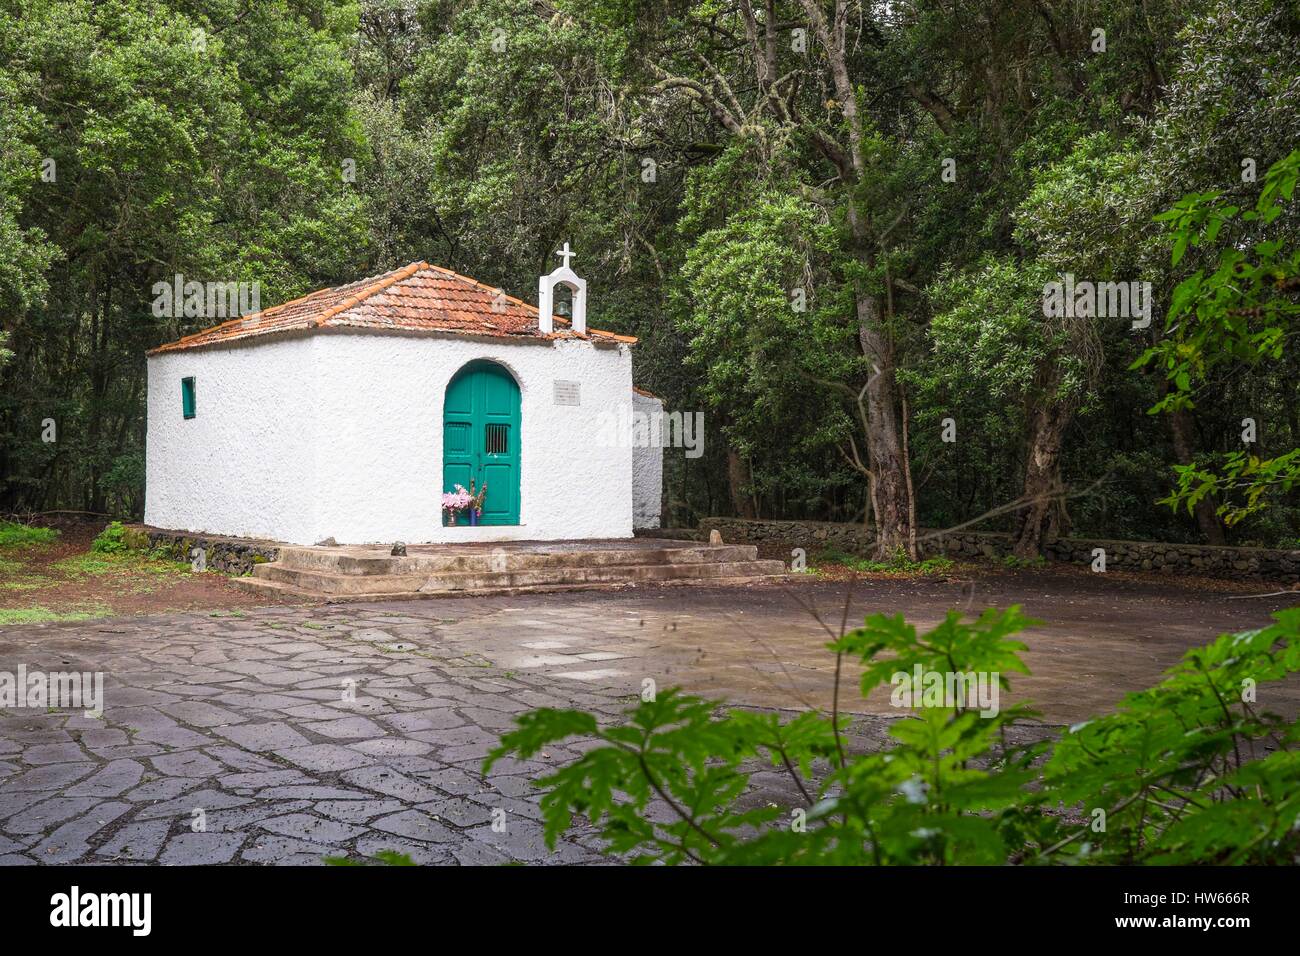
column 642, row 391
column 416, row 298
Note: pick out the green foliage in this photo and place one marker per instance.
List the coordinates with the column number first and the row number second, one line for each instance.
column 1016, row 563
column 1192, row 770
column 223, row 159
column 198, row 138
column 988, row 330
column 124, row 484
column 1188, row 771
column 112, row 540
column 1239, row 312
column 898, row 564
column 672, row 748
column 762, row 309
column 14, row 535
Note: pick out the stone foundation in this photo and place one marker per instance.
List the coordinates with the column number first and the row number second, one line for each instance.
column 1273, row 564
column 228, row 555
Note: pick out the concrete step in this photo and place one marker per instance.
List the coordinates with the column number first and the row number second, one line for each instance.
column 324, row 582
column 270, row 588
column 611, row 574
column 370, row 573
column 373, row 562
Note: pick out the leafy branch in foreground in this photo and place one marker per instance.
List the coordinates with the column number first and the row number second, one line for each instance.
column 1191, row 770
column 1241, row 312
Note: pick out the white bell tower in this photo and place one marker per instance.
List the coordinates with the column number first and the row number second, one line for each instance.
column 565, row 276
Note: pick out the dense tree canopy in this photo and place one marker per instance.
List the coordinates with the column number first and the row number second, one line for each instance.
column 829, row 223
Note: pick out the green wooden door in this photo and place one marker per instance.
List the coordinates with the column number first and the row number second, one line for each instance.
column 480, row 439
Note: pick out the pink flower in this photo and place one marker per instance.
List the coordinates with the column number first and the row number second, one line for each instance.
column 456, row 500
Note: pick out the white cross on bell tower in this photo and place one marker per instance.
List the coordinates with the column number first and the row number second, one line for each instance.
column 562, row 275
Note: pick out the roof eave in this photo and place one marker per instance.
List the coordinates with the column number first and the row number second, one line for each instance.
column 601, row 339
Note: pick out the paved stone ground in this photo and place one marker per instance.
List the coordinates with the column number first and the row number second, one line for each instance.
column 242, row 714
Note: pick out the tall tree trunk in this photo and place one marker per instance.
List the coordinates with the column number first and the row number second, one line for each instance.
column 892, row 504
column 888, row 484
column 738, row 482
column 912, row 552
column 1044, row 517
column 884, row 444
column 1180, row 428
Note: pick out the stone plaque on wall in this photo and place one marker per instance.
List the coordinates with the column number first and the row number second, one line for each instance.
column 566, row 393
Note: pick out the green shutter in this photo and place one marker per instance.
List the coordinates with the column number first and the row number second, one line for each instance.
column 187, row 397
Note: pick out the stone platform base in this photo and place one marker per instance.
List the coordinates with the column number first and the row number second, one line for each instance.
column 372, row 573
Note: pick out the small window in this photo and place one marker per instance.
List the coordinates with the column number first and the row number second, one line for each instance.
column 187, row 397
column 497, row 441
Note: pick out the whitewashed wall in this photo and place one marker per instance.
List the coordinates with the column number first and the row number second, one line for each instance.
column 347, row 439
column 647, row 469
column 245, row 464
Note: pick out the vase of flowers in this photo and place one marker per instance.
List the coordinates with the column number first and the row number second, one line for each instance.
column 475, row 506
column 453, row 502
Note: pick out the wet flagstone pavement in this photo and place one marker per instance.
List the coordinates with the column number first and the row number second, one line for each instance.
column 285, row 734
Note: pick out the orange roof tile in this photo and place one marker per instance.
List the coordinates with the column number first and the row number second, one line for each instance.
column 415, row 298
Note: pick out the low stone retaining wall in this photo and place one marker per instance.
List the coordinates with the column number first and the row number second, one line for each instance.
column 229, row 555
column 672, row 534
column 1273, row 564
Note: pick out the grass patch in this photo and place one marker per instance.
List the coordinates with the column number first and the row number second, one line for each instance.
column 124, row 562
column 899, row 564
column 40, row 582
column 32, row 582
column 1015, row 563
column 18, row 542
column 14, row 535
column 41, row 615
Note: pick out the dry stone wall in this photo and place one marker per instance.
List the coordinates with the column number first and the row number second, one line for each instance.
column 1273, row 564
column 229, row 555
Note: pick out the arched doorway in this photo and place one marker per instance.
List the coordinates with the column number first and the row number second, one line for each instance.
column 480, row 438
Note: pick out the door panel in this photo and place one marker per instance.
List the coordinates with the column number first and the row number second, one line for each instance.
column 456, row 438
column 500, row 396
column 498, row 508
column 481, row 438
column 457, row 454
